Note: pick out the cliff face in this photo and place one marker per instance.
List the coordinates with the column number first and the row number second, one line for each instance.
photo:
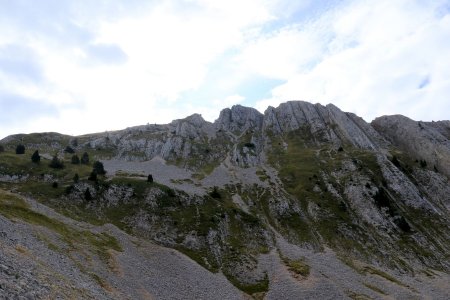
column 324, row 124
column 428, row 142
column 263, row 196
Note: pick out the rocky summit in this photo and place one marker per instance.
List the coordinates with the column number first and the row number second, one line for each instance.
column 304, row 201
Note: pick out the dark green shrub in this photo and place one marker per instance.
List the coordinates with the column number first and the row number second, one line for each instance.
column 75, row 160
column 250, row 145
column 2, row 149
column 69, row 150
column 423, row 163
column 342, row 206
column 150, row 178
column 36, row 158
column 215, row 193
column 56, row 163
column 402, row 224
column 171, row 193
column 99, row 168
column 93, row 176
column 55, row 185
column 20, row 149
column 85, row 159
column 76, row 178
column 87, row 195
column 69, row 189
column 396, row 162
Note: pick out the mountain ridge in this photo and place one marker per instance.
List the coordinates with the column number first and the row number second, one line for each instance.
column 255, row 196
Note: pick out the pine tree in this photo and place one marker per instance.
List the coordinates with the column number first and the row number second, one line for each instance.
column 36, row 158
column 93, row 176
column 76, row 178
column 56, row 163
column 85, row 159
column 20, row 149
column 69, row 150
column 150, row 178
column 75, row 160
column 99, row 168
column 87, row 195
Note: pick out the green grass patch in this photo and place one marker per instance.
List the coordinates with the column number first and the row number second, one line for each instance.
column 261, row 286
column 297, row 266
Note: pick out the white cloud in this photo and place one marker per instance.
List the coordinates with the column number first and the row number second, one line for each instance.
column 129, row 64
column 168, row 48
column 378, row 57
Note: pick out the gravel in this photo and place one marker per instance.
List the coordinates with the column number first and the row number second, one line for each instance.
column 30, row 269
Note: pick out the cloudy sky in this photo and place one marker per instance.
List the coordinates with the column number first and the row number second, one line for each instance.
column 86, row 66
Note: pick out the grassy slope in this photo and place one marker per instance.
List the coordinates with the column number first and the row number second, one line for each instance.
column 300, row 167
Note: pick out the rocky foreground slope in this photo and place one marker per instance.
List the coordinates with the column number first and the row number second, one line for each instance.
column 303, row 201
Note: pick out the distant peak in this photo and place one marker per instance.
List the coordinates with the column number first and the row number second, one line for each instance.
column 195, row 119
column 239, row 117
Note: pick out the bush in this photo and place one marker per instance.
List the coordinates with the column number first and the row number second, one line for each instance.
column 93, row 176
column 75, row 160
column 340, row 149
column 215, row 193
column 36, row 158
column 423, row 163
column 2, row 149
column 85, row 159
column 98, row 168
column 20, row 149
column 76, row 178
column 55, row 185
column 56, row 163
column 402, row 224
column 150, row 178
column 396, row 162
column 298, row 266
column 87, row 195
column 69, row 150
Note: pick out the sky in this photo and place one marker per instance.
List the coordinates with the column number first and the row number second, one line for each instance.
column 86, row 66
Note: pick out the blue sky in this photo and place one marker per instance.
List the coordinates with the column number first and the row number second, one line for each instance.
column 86, row 66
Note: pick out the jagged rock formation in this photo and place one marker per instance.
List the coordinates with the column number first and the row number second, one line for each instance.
column 263, row 196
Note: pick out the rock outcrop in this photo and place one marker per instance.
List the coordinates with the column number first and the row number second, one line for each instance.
column 239, row 119
column 423, row 141
column 323, row 124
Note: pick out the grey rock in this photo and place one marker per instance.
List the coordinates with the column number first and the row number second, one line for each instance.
column 419, row 139
column 239, row 118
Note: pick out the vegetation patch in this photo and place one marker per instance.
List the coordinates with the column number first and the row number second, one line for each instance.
column 357, row 296
column 258, row 288
column 297, row 266
column 375, row 288
column 374, row 271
